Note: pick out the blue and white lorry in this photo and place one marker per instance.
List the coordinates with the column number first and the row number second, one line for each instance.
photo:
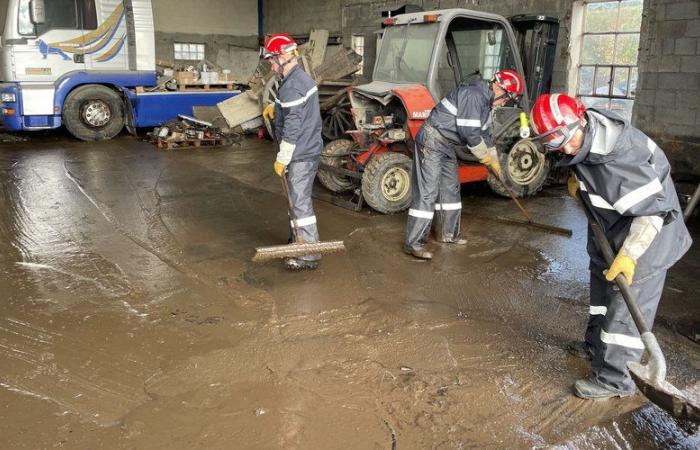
column 82, row 64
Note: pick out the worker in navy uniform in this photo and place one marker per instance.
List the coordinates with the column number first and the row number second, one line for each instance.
column 463, row 117
column 297, row 120
column 624, row 179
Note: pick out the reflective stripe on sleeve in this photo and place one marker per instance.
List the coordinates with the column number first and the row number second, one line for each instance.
column 598, row 310
column 476, row 123
column 300, row 101
column 638, row 195
column 306, row 221
column 449, row 106
column 421, row 214
column 621, row 340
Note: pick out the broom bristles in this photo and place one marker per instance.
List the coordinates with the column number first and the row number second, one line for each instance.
column 294, row 250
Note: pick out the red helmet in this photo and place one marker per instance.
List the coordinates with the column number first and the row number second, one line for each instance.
column 555, row 118
column 510, row 81
column 277, row 44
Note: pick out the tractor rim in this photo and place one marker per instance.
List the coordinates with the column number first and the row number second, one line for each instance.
column 395, row 184
column 525, row 164
column 96, row 113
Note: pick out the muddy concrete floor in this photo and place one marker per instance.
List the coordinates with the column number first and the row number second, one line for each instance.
column 132, row 317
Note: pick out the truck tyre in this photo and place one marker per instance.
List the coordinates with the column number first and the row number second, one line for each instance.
column 93, row 113
column 525, row 170
column 386, row 182
column 335, row 154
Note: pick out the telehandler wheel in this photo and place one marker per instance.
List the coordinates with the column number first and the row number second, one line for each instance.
column 386, row 182
column 525, row 170
column 93, row 113
column 335, row 154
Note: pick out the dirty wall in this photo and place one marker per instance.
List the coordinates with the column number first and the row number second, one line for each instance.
column 227, row 28
column 668, row 101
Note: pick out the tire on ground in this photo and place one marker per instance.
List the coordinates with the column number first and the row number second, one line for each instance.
column 331, row 180
column 525, row 170
column 76, row 110
column 386, row 182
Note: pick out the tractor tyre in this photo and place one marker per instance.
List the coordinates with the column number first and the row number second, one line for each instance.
column 335, row 154
column 386, row 182
column 525, row 170
column 93, row 113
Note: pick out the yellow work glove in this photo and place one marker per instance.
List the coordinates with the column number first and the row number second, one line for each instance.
column 624, row 265
column 279, row 168
column 573, row 187
column 492, row 162
column 269, row 112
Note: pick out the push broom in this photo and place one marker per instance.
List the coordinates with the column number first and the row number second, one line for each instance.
column 299, row 247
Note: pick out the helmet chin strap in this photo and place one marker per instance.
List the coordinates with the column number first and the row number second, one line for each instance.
column 281, row 65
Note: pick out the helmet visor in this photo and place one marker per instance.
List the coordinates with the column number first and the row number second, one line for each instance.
column 557, row 138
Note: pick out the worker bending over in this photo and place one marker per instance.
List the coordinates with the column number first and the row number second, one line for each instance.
column 624, row 179
column 463, row 117
column 297, row 120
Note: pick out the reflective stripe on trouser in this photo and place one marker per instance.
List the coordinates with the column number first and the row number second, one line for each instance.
column 434, row 179
column 300, row 179
column 618, row 341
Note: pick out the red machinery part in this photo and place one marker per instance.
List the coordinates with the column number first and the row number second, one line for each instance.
column 418, row 102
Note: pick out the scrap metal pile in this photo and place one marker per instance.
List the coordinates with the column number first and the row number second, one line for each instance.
column 189, row 132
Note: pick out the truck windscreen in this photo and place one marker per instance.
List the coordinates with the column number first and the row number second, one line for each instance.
column 405, row 53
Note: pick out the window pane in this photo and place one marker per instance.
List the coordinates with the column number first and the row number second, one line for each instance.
column 626, row 49
column 601, row 17
column 597, row 49
column 630, row 15
column 622, row 107
column 25, row 25
column 60, row 14
column 633, row 82
column 89, row 14
column 602, row 81
column 595, row 102
column 585, row 80
column 620, row 81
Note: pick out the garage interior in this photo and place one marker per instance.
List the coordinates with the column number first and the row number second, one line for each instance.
column 132, row 315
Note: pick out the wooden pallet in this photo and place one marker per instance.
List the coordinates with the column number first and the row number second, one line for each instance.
column 190, row 143
column 222, row 86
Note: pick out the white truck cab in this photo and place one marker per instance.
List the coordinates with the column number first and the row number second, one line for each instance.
column 77, row 63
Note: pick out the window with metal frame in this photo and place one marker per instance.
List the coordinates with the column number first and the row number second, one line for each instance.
column 607, row 69
column 358, row 45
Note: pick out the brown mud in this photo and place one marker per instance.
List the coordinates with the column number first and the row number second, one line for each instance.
column 132, row 317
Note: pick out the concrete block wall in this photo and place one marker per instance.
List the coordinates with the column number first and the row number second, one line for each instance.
column 667, row 105
column 228, row 28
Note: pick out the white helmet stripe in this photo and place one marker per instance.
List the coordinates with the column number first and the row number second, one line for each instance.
column 554, row 106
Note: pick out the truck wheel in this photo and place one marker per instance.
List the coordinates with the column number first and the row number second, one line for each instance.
column 386, row 182
column 93, row 113
column 335, row 154
column 525, row 170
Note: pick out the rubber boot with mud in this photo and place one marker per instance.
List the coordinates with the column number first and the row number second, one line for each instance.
column 458, row 241
column 420, row 253
column 300, row 264
column 590, row 389
column 579, row 349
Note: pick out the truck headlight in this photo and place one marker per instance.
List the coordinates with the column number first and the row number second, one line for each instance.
column 8, row 97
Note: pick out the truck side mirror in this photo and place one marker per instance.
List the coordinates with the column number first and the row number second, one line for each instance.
column 37, row 11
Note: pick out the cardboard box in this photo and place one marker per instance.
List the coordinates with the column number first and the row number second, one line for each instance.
column 184, row 77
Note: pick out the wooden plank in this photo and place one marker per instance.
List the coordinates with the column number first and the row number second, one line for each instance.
column 318, row 41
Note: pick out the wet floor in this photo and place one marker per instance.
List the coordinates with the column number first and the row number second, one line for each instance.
column 132, row 317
